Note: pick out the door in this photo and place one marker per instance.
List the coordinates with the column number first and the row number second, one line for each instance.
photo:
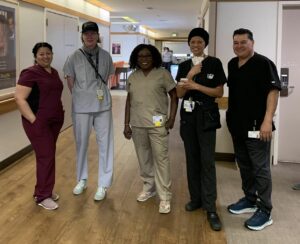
column 62, row 34
column 289, row 116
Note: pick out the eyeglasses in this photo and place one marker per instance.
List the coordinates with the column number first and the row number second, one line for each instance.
column 145, row 56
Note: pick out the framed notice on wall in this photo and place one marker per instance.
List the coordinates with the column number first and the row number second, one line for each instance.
column 8, row 63
column 116, row 48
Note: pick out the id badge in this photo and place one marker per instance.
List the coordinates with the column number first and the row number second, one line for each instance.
column 188, row 105
column 157, row 120
column 254, row 134
column 100, row 94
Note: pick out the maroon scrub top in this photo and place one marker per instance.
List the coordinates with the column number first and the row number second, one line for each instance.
column 46, row 90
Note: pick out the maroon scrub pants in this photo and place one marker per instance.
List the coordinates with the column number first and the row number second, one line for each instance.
column 43, row 134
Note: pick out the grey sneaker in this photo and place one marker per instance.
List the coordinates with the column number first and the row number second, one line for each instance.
column 80, row 187
column 144, row 196
column 48, row 204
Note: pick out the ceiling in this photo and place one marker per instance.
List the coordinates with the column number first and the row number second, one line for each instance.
column 163, row 17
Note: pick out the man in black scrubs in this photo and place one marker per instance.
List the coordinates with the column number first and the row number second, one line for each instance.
column 253, row 94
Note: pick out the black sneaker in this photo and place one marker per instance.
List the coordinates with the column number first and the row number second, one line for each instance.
column 259, row 220
column 242, row 206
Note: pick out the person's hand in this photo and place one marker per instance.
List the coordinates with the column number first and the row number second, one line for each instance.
column 188, row 84
column 196, row 69
column 170, row 123
column 32, row 120
column 127, row 132
column 266, row 131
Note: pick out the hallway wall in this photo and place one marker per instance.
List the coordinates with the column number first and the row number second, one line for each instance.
column 13, row 138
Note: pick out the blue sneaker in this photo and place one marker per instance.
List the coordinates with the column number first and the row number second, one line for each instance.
column 259, row 220
column 242, row 206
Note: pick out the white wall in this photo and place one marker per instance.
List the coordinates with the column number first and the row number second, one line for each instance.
column 128, row 43
column 178, row 47
column 128, row 40
column 13, row 138
column 261, row 18
column 289, row 118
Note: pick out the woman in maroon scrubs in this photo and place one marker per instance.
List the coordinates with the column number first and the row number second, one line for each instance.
column 38, row 96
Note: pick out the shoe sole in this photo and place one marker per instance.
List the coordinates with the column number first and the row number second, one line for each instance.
column 43, row 206
column 243, row 211
column 269, row 222
column 165, row 211
column 78, row 193
column 145, row 199
column 99, row 199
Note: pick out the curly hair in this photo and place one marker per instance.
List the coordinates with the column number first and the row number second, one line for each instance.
column 156, row 56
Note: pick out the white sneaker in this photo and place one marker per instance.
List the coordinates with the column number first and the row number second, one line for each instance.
column 145, row 195
column 164, row 207
column 80, row 187
column 100, row 193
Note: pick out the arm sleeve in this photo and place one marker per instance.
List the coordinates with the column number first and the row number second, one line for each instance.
column 220, row 74
column 69, row 67
column 273, row 78
column 111, row 66
column 27, row 78
column 169, row 81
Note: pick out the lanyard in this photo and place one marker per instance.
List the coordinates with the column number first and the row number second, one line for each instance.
column 88, row 57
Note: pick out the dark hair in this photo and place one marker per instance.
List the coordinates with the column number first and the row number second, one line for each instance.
column 243, row 31
column 156, row 56
column 39, row 45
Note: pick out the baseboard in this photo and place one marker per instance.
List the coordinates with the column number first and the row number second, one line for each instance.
column 227, row 157
column 12, row 159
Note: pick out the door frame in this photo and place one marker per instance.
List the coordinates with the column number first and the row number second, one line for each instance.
column 281, row 5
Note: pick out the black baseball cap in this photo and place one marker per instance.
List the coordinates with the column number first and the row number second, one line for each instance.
column 89, row 26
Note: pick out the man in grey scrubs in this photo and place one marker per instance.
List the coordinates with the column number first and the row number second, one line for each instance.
column 87, row 71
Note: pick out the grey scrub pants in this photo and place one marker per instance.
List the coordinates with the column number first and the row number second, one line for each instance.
column 103, row 126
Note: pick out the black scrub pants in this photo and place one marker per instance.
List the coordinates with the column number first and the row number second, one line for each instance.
column 253, row 158
column 200, row 163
